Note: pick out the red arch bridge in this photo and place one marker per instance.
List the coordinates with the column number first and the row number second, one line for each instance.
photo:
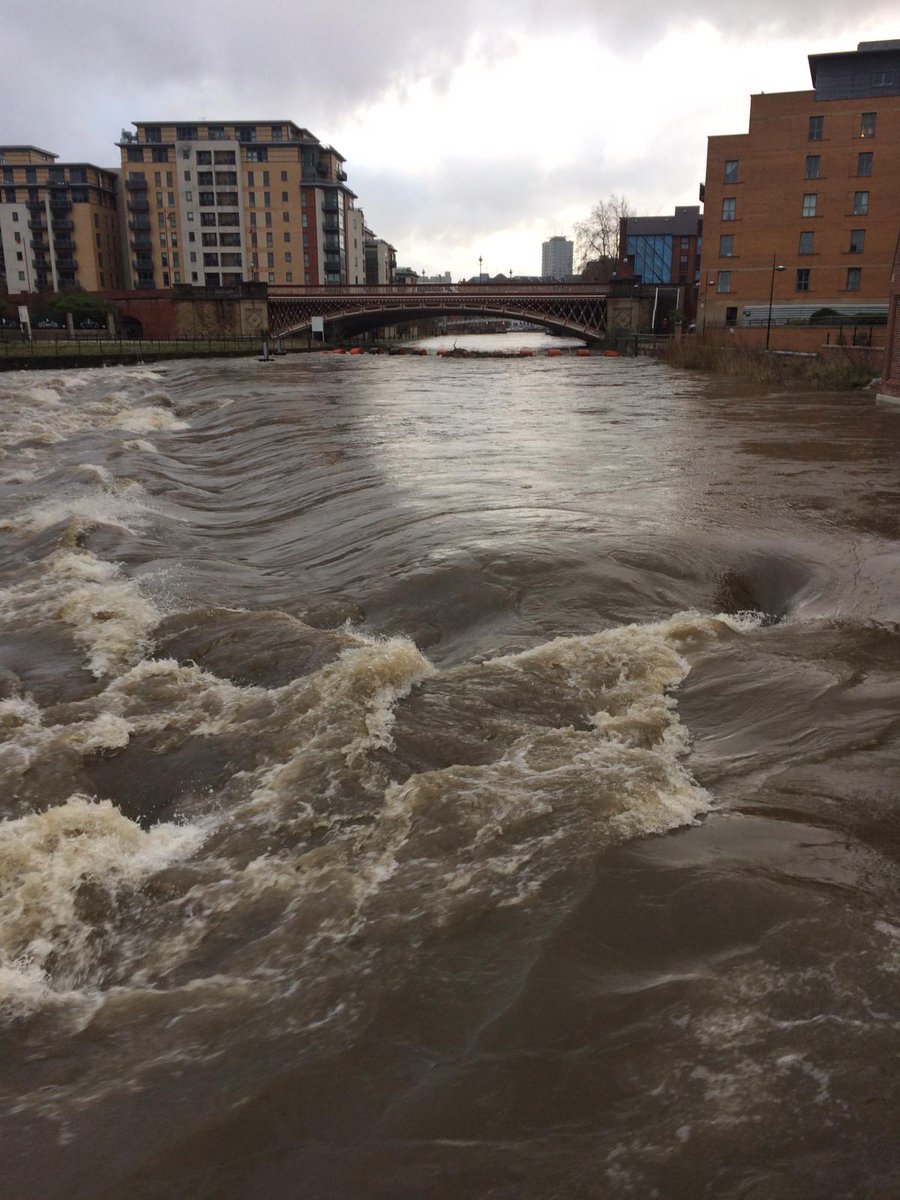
column 577, row 309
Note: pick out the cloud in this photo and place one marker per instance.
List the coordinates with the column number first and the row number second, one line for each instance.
column 461, row 122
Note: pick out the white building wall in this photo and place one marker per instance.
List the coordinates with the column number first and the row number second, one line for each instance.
column 556, row 258
column 15, row 236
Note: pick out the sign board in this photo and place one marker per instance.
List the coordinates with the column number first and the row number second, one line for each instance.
column 318, row 327
column 23, row 318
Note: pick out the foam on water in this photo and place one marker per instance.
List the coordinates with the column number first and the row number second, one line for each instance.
column 107, row 614
column 66, row 405
column 316, row 810
column 63, row 872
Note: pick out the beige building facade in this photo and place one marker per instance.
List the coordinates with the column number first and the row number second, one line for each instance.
column 215, row 203
column 59, row 227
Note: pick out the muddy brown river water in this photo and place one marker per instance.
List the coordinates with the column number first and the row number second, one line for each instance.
column 447, row 778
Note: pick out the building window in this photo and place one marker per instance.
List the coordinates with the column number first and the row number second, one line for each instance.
column 204, row 158
column 152, row 133
column 854, row 278
column 857, row 241
column 816, row 129
column 277, row 133
column 189, row 197
column 287, row 256
column 160, row 154
column 728, row 208
column 289, row 277
column 860, row 204
column 810, row 202
column 867, row 125
column 287, row 237
column 224, row 158
column 813, row 166
column 723, row 281
column 271, row 277
column 134, row 154
column 258, row 154
column 802, row 284
column 864, row 163
column 186, row 133
column 731, row 170
column 806, row 242
column 267, row 199
column 883, row 79
column 284, row 176
column 726, row 245
column 285, row 217
column 190, row 217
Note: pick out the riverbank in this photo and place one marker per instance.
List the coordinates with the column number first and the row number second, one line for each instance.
column 850, row 371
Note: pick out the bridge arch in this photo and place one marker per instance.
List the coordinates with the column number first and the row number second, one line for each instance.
column 577, row 310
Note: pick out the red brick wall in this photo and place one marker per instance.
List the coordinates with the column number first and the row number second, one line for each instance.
column 768, row 195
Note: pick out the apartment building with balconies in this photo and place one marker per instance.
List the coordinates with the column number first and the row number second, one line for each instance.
column 805, row 206
column 215, row 203
column 58, row 223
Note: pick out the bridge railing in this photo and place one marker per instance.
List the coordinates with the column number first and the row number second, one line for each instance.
column 471, row 291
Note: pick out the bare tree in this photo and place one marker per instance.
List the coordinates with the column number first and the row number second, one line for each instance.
column 597, row 238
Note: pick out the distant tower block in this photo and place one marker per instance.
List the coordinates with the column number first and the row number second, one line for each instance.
column 556, row 258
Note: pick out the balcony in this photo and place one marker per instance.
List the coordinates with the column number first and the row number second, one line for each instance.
column 139, row 224
column 39, row 244
column 331, row 223
column 138, row 204
column 37, row 226
column 144, row 282
column 60, row 203
column 142, row 243
column 137, row 184
column 63, row 244
column 34, row 205
column 66, row 263
column 63, row 224
column 342, row 175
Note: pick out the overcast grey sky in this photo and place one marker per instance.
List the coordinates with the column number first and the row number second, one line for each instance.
column 470, row 128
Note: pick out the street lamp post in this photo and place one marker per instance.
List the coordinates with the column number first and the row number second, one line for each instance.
column 479, row 268
column 771, row 296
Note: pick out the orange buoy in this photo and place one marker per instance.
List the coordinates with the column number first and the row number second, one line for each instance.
column 524, row 352
column 582, row 352
column 610, row 354
column 356, row 350
column 553, row 352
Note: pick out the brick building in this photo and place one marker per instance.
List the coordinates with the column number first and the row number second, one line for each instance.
column 811, row 187
column 59, row 224
column 665, row 252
